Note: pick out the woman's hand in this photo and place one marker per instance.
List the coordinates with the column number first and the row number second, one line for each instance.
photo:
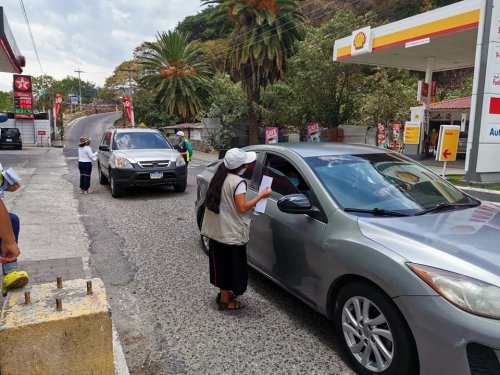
column 266, row 193
column 10, row 252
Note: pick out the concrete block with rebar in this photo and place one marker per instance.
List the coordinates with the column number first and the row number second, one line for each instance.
column 57, row 329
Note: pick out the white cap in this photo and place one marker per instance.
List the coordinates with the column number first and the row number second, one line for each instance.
column 180, row 133
column 236, row 157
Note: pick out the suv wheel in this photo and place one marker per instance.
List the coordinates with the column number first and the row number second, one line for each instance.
column 373, row 332
column 103, row 180
column 180, row 187
column 116, row 190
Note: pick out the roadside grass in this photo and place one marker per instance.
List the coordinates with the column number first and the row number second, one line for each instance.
column 459, row 181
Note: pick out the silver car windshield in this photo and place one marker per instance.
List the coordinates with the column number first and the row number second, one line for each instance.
column 140, row 141
column 383, row 182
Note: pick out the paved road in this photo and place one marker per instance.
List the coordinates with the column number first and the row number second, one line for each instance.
column 146, row 248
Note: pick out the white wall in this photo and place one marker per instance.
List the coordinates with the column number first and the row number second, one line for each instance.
column 29, row 130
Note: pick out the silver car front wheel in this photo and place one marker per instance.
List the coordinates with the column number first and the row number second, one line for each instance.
column 367, row 334
column 373, row 332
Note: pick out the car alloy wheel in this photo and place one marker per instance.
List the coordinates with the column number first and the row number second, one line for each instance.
column 367, row 334
column 373, row 331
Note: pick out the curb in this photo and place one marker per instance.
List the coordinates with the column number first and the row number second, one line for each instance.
column 479, row 190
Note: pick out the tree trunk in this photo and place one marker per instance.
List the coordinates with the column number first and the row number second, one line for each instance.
column 253, row 99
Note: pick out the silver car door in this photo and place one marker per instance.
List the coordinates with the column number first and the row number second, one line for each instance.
column 287, row 246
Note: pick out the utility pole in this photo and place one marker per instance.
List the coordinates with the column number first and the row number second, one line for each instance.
column 130, row 71
column 80, row 86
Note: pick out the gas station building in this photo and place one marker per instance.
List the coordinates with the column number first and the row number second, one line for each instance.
column 462, row 35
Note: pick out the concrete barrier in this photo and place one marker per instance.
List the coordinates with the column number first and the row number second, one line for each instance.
column 55, row 330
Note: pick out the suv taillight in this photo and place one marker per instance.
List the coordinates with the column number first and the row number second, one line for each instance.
column 20, row 137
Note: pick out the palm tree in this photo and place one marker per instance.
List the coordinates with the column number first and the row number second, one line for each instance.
column 263, row 37
column 176, row 70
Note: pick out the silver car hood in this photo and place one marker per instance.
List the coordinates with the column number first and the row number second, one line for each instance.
column 463, row 241
column 135, row 156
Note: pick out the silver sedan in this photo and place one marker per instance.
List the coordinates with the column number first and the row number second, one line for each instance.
column 406, row 265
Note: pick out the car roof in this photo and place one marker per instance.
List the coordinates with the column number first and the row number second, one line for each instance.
column 309, row 149
column 134, row 130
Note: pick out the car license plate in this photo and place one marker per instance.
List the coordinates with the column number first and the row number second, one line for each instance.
column 156, row 175
column 8, row 140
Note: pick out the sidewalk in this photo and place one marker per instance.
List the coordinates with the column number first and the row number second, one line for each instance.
column 53, row 240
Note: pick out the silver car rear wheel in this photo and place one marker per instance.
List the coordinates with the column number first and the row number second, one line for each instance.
column 367, row 334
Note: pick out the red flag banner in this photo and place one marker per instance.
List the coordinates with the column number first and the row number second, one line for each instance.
column 58, row 99
column 127, row 106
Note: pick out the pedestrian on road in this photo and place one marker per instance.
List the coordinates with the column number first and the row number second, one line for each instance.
column 85, row 158
column 227, row 224
column 9, row 250
column 184, row 147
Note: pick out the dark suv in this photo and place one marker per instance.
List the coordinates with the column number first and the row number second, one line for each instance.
column 139, row 157
column 11, row 137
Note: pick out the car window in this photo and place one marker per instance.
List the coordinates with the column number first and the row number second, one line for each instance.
column 286, row 178
column 140, row 140
column 106, row 139
column 383, row 181
column 10, row 132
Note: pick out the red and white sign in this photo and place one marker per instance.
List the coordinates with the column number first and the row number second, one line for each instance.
column 23, row 97
column 22, row 83
column 58, row 99
column 42, row 132
column 127, row 105
column 495, row 106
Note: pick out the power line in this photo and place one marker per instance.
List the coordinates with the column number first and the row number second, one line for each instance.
column 31, row 35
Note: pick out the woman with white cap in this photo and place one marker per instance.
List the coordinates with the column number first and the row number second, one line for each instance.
column 85, row 158
column 227, row 224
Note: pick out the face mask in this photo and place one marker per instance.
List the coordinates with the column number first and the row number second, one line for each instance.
column 294, row 181
column 242, row 172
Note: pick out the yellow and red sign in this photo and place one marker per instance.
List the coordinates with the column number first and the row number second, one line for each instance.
column 412, row 133
column 448, row 143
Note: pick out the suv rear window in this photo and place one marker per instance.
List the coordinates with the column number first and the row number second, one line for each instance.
column 10, row 132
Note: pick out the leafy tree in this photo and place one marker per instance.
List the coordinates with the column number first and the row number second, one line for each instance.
column 6, row 101
column 325, row 91
column 217, row 54
column 126, row 74
column 69, row 85
column 389, row 95
column 206, row 26
column 146, row 110
column 176, row 70
column 44, row 89
column 263, row 37
column 281, row 107
column 227, row 102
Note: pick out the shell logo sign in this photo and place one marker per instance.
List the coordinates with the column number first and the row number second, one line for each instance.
column 361, row 41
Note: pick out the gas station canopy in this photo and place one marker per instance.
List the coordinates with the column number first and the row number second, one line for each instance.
column 448, row 35
column 11, row 60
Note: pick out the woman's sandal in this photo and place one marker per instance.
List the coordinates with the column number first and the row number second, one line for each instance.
column 231, row 305
column 232, row 296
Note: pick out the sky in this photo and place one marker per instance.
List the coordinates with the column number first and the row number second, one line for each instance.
column 93, row 35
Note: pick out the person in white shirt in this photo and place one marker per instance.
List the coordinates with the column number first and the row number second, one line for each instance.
column 85, row 158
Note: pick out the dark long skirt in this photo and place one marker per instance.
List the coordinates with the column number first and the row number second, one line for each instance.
column 85, row 172
column 228, row 267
